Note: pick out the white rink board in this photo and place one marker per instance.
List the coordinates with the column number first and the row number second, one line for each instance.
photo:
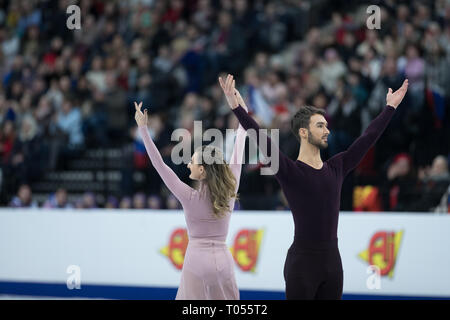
column 117, row 247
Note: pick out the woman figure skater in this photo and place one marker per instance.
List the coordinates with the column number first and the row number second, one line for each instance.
column 208, row 269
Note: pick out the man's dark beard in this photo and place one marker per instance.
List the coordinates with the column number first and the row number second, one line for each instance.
column 315, row 142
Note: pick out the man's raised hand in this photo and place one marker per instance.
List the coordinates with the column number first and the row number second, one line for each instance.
column 240, row 100
column 393, row 99
column 229, row 91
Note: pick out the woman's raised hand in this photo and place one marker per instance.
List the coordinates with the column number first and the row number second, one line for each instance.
column 140, row 117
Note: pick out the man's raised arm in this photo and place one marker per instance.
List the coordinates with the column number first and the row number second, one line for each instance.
column 268, row 147
column 356, row 152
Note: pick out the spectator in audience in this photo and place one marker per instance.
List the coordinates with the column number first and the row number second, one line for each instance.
column 399, row 183
column 172, row 203
column 58, row 200
column 414, row 70
column 331, row 70
column 112, row 203
column 68, row 139
column 94, row 120
column 7, row 137
column 125, row 203
column 89, row 201
column 24, row 198
column 27, row 160
column 344, row 113
column 79, row 203
column 154, row 202
column 139, row 201
column 433, row 183
column 444, row 203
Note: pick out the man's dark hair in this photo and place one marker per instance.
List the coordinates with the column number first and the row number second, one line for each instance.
column 302, row 117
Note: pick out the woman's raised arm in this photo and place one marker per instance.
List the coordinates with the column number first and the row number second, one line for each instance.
column 180, row 190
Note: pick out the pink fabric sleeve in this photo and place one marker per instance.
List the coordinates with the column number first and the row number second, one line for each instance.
column 238, row 153
column 180, row 190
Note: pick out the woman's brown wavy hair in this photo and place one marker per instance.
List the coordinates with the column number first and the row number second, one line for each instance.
column 219, row 179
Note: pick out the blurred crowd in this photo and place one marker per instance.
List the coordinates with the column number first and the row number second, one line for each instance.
column 60, row 200
column 63, row 91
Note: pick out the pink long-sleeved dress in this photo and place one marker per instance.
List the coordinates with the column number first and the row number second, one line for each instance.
column 208, row 269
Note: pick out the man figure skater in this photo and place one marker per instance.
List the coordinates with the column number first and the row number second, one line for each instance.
column 313, row 267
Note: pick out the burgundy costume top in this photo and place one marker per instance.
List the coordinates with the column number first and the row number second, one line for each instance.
column 314, row 194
